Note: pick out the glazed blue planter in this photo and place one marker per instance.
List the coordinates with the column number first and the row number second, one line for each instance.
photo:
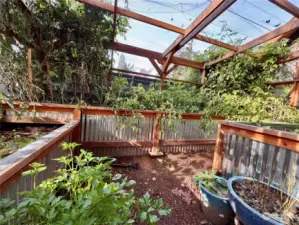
column 216, row 209
column 246, row 214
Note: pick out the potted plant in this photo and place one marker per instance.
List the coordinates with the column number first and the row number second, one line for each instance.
column 214, row 198
column 258, row 203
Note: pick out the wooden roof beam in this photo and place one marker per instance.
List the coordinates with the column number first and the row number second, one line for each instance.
column 154, row 22
column 203, row 20
column 156, row 66
column 287, row 6
column 154, row 55
column 292, row 25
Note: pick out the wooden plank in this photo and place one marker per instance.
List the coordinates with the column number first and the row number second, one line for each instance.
column 155, row 55
column 148, row 144
column 216, row 8
column 219, row 149
column 171, row 69
column 264, row 138
column 167, row 63
column 36, row 120
column 155, row 65
column 100, row 144
column 282, row 83
column 187, row 142
column 291, row 26
column 154, row 22
column 261, row 130
column 291, row 57
column 76, row 135
column 287, row 6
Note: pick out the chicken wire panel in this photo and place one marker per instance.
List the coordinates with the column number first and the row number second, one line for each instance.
column 112, row 128
column 186, row 130
column 25, row 183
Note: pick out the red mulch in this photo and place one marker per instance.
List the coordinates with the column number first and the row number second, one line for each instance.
column 169, row 177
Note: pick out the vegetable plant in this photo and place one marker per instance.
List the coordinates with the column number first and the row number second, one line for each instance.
column 84, row 191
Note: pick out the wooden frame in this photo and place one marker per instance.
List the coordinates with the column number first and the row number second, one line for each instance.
column 278, row 138
column 216, row 8
column 287, row 6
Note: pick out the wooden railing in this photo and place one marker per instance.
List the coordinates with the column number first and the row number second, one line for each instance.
column 265, row 154
column 43, row 150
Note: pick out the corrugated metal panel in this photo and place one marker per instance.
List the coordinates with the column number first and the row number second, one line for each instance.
column 262, row 161
column 26, row 183
column 186, row 130
column 97, row 128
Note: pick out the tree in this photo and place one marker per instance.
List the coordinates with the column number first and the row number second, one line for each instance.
column 70, row 48
column 122, row 62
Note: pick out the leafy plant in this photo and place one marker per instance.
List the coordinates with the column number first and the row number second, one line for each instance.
column 85, row 191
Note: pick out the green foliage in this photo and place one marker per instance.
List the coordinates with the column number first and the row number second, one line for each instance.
column 246, row 72
column 85, row 191
column 69, row 43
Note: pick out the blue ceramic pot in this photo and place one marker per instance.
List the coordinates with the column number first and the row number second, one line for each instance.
column 244, row 212
column 216, row 209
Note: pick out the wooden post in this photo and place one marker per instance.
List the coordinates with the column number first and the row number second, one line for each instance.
column 29, row 71
column 76, row 136
column 219, row 149
column 162, row 82
column 156, row 135
column 295, row 89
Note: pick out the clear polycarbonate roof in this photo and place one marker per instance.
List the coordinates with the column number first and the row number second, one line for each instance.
column 244, row 21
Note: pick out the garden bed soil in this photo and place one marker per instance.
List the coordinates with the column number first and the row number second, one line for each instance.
column 13, row 138
column 266, row 200
column 169, row 177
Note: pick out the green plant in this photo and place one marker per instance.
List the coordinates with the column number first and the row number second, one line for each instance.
column 85, row 191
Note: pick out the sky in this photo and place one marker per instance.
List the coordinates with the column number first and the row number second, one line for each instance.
column 249, row 18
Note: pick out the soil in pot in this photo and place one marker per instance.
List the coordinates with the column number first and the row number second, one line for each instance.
column 267, row 200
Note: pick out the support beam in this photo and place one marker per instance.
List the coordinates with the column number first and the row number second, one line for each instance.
column 155, row 55
column 167, row 63
column 171, row 69
column 154, row 22
column 156, row 66
column 291, row 26
column 216, row 8
column 287, row 6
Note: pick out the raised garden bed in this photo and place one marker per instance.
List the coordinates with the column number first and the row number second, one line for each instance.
column 16, row 136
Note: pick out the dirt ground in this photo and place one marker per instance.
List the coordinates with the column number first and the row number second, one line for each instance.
column 169, row 177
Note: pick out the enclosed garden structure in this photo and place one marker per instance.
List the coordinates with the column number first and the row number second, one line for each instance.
column 163, row 148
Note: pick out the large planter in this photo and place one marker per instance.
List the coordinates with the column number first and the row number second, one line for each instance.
column 216, row 209
column 245, row 213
